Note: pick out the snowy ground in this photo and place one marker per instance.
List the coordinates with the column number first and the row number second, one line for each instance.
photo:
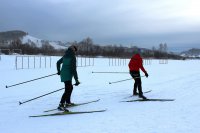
column 176, row 80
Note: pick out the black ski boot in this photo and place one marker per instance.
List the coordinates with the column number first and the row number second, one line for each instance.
column 142, row 96
column 69, row 104
column 135, row 94
column 62, row 108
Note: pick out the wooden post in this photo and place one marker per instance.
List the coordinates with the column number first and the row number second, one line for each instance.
column 22, row 62
column 34, row 61
column 28, row 62
column 50, row 61
column 45, row 61
column 16, row 62
column 40, row 61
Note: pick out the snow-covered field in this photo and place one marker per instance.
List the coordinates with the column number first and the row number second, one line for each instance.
column 179, row 80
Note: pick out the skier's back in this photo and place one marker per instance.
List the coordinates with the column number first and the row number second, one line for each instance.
column 135, row 64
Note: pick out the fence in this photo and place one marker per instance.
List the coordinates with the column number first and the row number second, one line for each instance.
column 163, row 61
column 117, row 62
column 28, row 62
column 85, row 61
column 147, row 61
column 123, row 62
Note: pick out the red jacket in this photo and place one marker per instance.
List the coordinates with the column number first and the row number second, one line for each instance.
column 136, row 63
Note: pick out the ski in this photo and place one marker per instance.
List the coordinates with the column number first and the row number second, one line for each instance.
column 136, row 95
column 74, row 105
column 144, row 100
column 68, row 113
column 147, row 91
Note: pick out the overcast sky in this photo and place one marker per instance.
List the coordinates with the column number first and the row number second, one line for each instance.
column 144, row 23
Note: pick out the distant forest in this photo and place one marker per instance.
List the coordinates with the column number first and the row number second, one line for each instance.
column 86, row 47
column 11, row 35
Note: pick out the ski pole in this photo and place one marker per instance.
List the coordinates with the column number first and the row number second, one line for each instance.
column 124, row 80
column 39, row 96
column 30, row 80
column 110, row 72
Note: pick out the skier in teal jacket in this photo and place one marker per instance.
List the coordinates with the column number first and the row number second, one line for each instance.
column 67, row 72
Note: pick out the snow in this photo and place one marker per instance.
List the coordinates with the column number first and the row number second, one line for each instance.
column 177, row 80
column 28, row 39
column 56, row 46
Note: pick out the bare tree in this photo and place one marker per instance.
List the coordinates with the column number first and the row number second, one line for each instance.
column 165, row 47
column 161, row 47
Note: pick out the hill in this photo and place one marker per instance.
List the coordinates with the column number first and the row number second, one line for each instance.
column 194, row 52
column 32, row 45
column 7, row 38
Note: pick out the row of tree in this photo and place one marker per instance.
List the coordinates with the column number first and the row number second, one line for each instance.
column 11, row 35
column 86, row 47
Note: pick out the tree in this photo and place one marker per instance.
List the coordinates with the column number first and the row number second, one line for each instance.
column 165, row 48
column 161, row 47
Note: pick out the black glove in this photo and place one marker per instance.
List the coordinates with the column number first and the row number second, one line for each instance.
column 77, row 83
column 147, row 75
column 58, row 73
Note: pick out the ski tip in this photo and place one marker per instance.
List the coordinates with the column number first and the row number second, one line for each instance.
column 20, row 103
column 97, row 100
column 110, row 83
column 103, row 110
column 6, row 86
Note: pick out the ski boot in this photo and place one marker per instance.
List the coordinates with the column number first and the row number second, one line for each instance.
column 135, row 94
column 142, row 96
column 69, row 104
column 62, row 108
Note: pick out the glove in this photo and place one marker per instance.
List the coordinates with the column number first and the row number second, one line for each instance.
column 77, row 83
column 147, row 75
column 58, row 73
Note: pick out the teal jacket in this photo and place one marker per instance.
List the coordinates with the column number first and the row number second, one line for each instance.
column 68, row 69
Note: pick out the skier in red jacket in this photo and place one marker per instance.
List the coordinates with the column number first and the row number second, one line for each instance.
column 135, row 64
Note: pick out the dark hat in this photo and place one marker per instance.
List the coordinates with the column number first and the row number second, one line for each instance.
column 137, row 51
column 73, row 47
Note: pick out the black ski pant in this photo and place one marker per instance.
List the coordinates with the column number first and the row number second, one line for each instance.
column 138, row 83
column 66, row 97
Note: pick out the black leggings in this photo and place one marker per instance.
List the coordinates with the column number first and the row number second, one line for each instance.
column 138, row 83
column 66, row 97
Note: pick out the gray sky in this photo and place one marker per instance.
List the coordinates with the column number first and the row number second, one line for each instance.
column 144, row 23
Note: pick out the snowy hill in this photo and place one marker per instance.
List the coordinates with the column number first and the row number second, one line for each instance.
column 27, row 39
column 7, row 37
column 191, row 53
